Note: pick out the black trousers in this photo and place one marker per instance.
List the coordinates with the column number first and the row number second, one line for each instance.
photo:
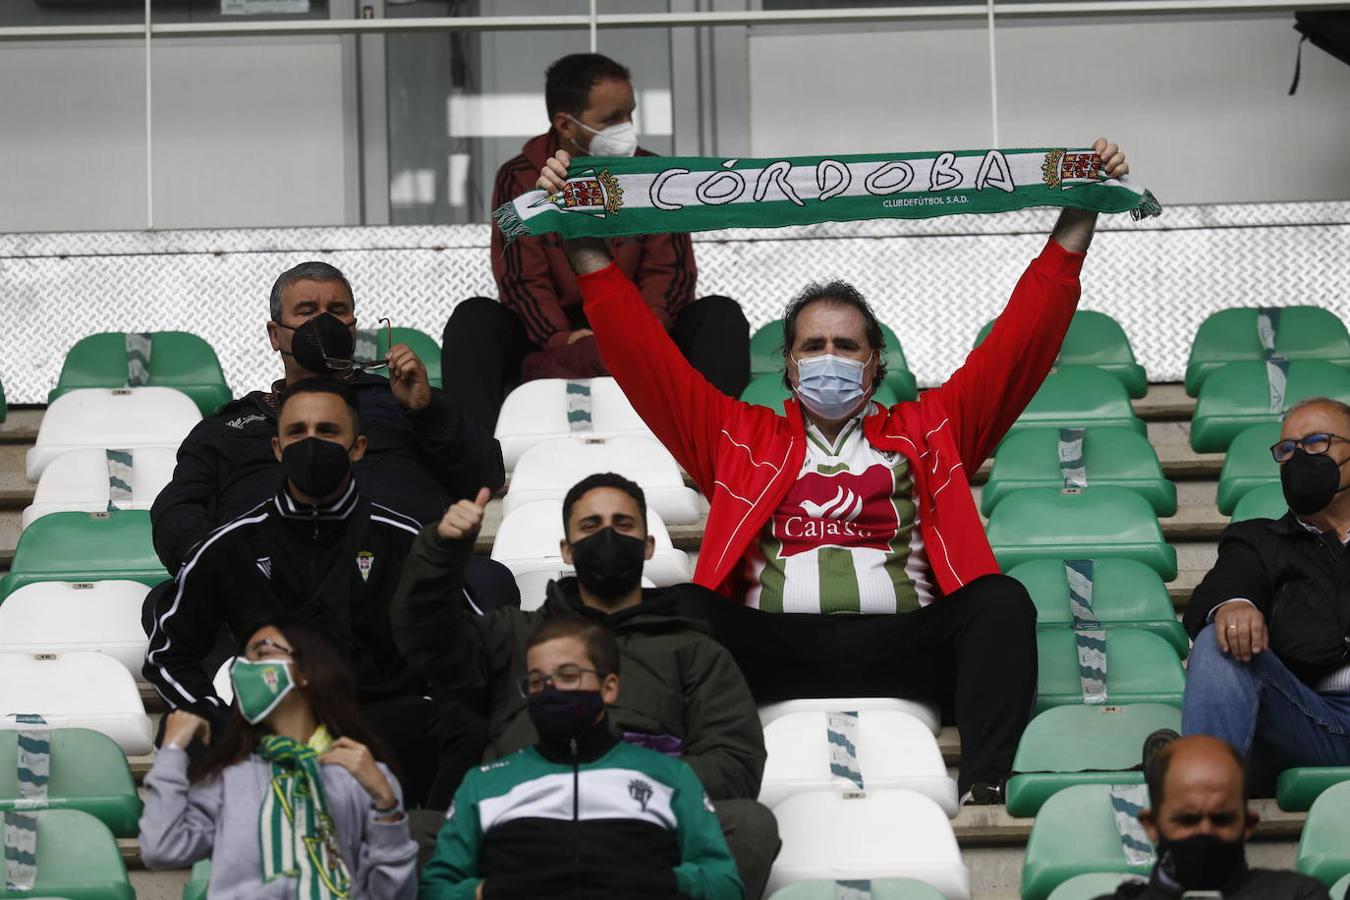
column 972, row 652
column 484, row 343
column 433, row 744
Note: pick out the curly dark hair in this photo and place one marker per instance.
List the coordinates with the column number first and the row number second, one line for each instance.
column 842, row 293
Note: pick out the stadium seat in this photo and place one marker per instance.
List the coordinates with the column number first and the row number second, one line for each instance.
column 1096, row 339
column 885, row 834
column 1341, row 888
column 1103, row 522
column 884, row 748
column 1029, row 458
column 1140, row 668
column 1238, row 396
column 4, row 405
column 76, row 546
column 1248, row 464
column 77, row 859
column 1232, row 335
column 177, row 360
column 1070, row 745
column 199, row 881
column 766, row 357
column 99, row 480
column 1324, row 851
column 1080, row 397
column 548, row 470
column 1092, row 886
column 76, row 690
column 1126, row 594
column 1076, row 833
column 1297, row 789
column 87, row 771
column 63, row 617
column 769, row 391
column 872, row 888
column 556, row 407
column 1264, row 502
column 926, row 713
column 119, row 419
column 421, row 343
column 527, row 541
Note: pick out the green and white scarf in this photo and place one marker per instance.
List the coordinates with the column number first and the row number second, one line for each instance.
column 613, row 196
column 295, row 830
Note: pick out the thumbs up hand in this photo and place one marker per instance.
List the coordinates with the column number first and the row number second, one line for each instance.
column 464, row 519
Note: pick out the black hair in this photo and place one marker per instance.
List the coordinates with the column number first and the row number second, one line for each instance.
column 322, row 385
column 306, row 271
column 600, row 644
column 845, row 294
column 568, row 82
column 603, row 480
column 1155, row 776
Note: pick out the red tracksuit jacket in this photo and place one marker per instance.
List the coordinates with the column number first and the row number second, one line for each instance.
column 744, row 458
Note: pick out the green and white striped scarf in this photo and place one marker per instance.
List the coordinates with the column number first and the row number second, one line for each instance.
column 295, row 831
column 613, row 196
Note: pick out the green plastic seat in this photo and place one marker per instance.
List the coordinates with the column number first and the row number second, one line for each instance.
column 1080, row 397
column 1069, row 745
column 1140, row 668
column 4, row 406
column 766, row 358
column 1096, row 339
column 177, row 360
column 421, row 343
column 81, row 546
column 1340, row 888
column 199, row 881
column 1029, row 458
column 88, row 772
column 1126, row 593
column 1074, row 834
column 768, row 390
column 1264, row 502
column 1103, row 522
column 1248, row 464
column 1302, row 332
column 1091, row 886
column 879, row 889
column 77, row 858
column 1298, row 789
column 1324, row 851
column 1237, row 397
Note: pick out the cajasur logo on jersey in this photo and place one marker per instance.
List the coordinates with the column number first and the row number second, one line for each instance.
column 840, row 509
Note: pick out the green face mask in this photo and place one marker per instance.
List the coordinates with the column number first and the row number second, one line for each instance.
column 260, row 686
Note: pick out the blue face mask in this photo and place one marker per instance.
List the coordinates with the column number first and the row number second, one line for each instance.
column 830, row 386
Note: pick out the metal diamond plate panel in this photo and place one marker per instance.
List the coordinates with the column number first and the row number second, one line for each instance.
column 935, row 281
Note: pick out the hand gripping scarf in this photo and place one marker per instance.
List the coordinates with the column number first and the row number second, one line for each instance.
column 295, row 831
column 612, row 196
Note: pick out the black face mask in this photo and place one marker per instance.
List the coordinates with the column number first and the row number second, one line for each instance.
column 609, row 564
column 315, row 466
column 1201, row 863
column 1310, row 481
column 323, row 336
column 561, row 716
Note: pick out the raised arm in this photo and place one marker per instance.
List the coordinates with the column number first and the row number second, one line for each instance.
column 178, row 826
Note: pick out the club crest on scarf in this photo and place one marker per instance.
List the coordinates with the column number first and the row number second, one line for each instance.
column 595, row 193
column 364, row 560
column 1063, row 169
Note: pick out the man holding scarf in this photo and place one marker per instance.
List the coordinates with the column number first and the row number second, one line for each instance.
column 844, row 535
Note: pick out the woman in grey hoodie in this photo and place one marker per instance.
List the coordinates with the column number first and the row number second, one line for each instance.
column 290, row 801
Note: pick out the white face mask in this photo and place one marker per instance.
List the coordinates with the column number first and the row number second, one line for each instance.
column 616, row 140
column 830, row 386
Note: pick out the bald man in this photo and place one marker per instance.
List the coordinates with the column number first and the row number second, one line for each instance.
column 1199, row 822
column 1270, row 670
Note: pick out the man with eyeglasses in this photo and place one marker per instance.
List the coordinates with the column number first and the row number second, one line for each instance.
column 423, row 454
column 1270, row 671
column 580, row 813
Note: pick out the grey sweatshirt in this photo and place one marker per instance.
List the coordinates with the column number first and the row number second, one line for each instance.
column 184, row 823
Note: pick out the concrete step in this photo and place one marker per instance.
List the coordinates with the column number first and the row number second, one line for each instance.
column 1165, row 403
column 21, row 425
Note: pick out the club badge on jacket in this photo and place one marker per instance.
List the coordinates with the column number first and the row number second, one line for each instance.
column 364, row 560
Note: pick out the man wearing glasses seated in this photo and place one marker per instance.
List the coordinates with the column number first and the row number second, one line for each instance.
column 1271, row 666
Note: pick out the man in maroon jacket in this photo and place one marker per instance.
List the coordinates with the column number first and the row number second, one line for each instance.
column 539, row 330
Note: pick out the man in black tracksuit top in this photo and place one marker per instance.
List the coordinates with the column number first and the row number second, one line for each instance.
column 319, row 551
column 421, row 456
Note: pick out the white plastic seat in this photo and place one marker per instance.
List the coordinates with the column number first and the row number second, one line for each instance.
column 76, row 690
column 118, row 419
column 885, row 834
column 894, row 750
column 221, row 682
column 67, row 617
column 79, row 482
column 527, row 542
column 548, row 470
column 537, row 411
column 926, row 713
